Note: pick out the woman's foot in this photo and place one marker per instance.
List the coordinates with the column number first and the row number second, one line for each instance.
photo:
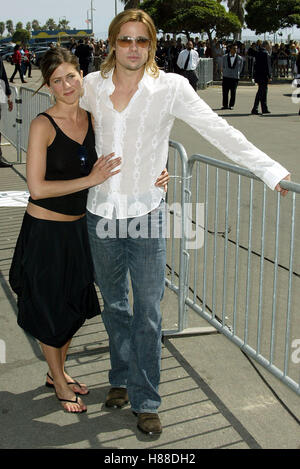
column 77, row 388
column 69, row 401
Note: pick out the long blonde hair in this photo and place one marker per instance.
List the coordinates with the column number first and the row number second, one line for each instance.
column 114, row 29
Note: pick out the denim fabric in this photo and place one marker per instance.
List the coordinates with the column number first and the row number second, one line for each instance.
column 134, row 336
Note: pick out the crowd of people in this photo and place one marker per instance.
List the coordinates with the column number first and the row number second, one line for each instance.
column 91, row 53
column 283, row 56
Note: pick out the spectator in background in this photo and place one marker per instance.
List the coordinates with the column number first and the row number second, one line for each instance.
column 6, row 89
column 188, row 60
column 251, row 55
column 72, row 46
column 208, row 50
column 297, row 73
column 83, row 52
column 178, row 48
column 274, row 59
column 262, row 76
column 98, row 49
column 282, row 61
column 201, row 49
column 293, row 55
column 27, row 62
column 17, row 59
column 218, row 60
column 232, row 67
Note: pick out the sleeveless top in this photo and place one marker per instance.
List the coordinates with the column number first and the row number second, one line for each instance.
column 68, row 159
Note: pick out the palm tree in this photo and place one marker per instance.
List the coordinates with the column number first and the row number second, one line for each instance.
column 236, row 7
column 36, row 25
column 10, row 27
column 131, row 4
column 50, row 24
column 63, row 24
column 2, row 28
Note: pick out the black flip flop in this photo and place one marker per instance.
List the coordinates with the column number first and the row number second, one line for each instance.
column 50, row 385
column 72, row 402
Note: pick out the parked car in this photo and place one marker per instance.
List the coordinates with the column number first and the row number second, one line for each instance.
column 8, row 57
column 38, row 54
column 4, row 50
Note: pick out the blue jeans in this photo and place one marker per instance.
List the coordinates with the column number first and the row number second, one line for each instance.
column 134, row 337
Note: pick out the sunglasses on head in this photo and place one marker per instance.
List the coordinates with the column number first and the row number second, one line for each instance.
column 126, row 41
column 82, row 155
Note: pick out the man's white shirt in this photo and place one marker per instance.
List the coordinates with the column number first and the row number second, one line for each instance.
column 193, row 60
column 140, row 136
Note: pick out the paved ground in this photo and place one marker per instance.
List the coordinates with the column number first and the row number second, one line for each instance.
column 213, row 395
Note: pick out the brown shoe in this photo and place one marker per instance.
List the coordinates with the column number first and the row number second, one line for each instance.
column 149, row 423
column 117, row 398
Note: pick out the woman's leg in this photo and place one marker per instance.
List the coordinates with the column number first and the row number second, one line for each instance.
column 53, row 357
column 76, row 387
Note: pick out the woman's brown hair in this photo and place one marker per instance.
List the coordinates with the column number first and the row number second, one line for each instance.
column 52, row 59
column 114, row 29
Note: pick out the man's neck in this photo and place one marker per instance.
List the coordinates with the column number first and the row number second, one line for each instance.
column 125, row 78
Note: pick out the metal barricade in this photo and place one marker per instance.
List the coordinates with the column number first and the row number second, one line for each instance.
column 15, row 125
column 243, row 268
column 32, row 105
column 205, row 72
column 10, row 121
column 178, row 211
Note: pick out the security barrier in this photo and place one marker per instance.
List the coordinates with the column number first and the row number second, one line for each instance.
column 9, row 122
column 205, row 72
column 15, row 125
column 32, row 105
column 233, row 253
column 240, row 268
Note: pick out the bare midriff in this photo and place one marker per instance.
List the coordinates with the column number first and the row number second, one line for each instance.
column 44, row 214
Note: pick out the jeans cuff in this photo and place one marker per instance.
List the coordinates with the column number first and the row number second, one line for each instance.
column 144, row 411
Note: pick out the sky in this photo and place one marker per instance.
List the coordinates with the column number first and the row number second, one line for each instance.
column 75, row 11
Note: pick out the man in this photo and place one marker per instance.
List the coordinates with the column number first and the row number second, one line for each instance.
column 17, row 61
column 134, row 105
column 232, row 66
column 187, row 62
column 5, row 90
column 83, row 52
column 262, row 76
column 250, row 57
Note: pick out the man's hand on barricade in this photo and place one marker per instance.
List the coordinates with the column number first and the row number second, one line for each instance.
column 278, row 188
column 163, row 179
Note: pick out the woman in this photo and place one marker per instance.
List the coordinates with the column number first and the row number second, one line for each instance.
column 282, row 61
column 52, row 271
